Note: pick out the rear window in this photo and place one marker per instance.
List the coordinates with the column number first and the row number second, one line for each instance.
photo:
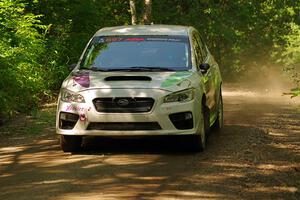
column 125, row 52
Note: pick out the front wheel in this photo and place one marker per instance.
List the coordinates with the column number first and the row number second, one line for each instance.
column 220, row 116
column 70, row 143
column 199, row 140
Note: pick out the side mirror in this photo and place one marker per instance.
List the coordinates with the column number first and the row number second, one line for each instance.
column 72, row 66
column 204, row 67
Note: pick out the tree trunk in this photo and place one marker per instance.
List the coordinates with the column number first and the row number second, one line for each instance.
column 147, row 12
column 133, row 12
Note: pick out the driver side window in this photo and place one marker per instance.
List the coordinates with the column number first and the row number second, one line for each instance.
column 197, row 50
column 202, row 45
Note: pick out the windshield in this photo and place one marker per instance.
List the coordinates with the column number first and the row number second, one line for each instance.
column 168, row 53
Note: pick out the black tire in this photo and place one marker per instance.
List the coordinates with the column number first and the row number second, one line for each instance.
column 220, row 116
column 70, row 143
column 199, row 141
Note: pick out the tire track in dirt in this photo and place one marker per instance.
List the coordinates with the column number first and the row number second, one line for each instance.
column 256, row 156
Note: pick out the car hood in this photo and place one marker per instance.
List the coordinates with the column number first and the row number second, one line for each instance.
column 86, row 80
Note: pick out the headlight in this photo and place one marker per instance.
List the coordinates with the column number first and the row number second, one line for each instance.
column 69, row 96
column 181, row 96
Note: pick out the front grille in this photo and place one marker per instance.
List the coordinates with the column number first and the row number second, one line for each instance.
column 123, row 105
column 124, row 126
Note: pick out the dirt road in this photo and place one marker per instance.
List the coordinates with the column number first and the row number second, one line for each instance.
column 256, row 156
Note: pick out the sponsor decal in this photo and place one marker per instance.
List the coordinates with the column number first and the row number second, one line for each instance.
column 82, row 78
column 164, row 39
column 176, row 78
column 112, row 39
column 140, row 39
column 135, row 39
column 76, row 108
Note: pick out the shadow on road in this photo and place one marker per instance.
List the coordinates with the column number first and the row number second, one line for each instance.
column 256, row 156
column 142, row 145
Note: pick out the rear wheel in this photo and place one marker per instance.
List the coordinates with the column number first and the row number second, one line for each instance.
column 70, row 143
column 199, row 140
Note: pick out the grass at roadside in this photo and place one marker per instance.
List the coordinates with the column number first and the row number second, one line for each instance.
column 42, row 121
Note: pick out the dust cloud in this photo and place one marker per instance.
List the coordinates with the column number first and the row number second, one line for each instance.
column 269, row 82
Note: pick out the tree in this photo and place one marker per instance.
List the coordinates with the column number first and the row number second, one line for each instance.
column 133, row 12
column 146, row 14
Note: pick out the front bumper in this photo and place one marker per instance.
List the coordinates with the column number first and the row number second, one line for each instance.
column 162, row 119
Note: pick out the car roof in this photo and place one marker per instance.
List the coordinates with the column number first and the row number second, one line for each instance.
column 145, row 30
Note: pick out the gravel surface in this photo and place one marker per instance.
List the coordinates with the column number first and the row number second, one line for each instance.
column 255, row 156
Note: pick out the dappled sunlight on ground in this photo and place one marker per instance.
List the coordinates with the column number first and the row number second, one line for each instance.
column 256, row 156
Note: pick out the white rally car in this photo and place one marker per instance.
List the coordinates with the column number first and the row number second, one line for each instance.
column 141, row 81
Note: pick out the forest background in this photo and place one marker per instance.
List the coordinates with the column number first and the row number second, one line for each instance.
column 251, row 40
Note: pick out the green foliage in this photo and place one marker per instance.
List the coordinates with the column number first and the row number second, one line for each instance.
column 21, row 46
column 293, row 93
column 291, row 53
column 72, row 23
column 240, row 33
column 40, row 38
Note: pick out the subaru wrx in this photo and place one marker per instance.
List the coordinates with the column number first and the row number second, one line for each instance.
column 144, row 80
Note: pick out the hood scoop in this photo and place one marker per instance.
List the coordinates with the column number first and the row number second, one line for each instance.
column 128, row 78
